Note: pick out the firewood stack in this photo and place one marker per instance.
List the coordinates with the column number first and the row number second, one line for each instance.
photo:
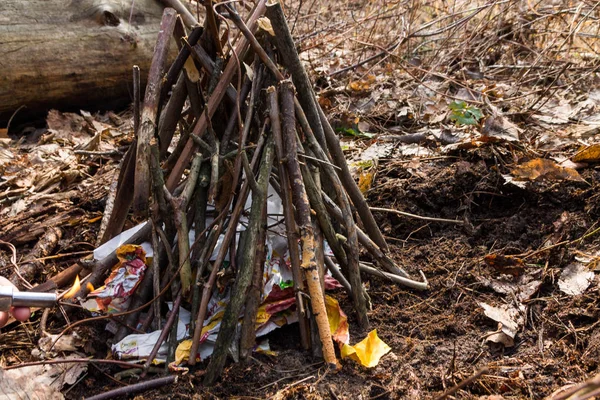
column 247, row 118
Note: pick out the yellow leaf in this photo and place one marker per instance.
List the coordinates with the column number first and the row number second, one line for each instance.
column 589, row 155
column 368, row 352
column 365, row 180
column 338, row 322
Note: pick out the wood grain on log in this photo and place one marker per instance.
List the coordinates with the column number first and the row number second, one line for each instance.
column 72, row 54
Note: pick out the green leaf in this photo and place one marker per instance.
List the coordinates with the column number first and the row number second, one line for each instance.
column 462, row 114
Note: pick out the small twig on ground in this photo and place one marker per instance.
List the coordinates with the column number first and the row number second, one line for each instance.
column 135, row 388
column 405, row 214
column 462, row 384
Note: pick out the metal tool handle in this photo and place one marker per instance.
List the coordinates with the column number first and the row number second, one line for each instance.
column 9, row 297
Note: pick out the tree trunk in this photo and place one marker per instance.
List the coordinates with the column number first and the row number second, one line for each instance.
column 72, row 54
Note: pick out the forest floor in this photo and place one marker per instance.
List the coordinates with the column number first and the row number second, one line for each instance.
column 484, row 114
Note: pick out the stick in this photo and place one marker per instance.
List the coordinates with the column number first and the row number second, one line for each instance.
column 290, row 59
column 125, row 391
column 397, row 279
column 31, row 268
column 141, row 188
column 171, row 114
column 163, row 333
column 244, row 272
column 179, row 205
column 288, row 215
column 405, row 214
column 359, row 296
column 156, row 277
column 208, row 286
column 302, row 206
column 316, row 118
column 186, row 15
column 248, row 334
column 462, row 384
column 214, row 101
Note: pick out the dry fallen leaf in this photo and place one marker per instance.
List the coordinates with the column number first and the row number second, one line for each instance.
column 363, row 84
column 505, row 264
column 541, row 168
column 575, row 279
column 589, row 155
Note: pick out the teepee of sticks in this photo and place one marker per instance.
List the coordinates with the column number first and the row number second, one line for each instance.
column 248, row 119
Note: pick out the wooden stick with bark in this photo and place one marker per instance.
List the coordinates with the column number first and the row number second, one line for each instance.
column 309, row 266
column 141, row 188
column 292, row 234
column 314, row 113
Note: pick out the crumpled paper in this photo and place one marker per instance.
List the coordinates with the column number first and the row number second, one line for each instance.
column 122, row 282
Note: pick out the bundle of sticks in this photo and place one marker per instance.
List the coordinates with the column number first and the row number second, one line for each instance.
column 248, row 119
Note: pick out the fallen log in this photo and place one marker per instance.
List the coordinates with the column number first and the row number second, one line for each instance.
column 73, row 54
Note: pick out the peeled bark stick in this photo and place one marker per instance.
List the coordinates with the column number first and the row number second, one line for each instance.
column 245, row 271
column 395, row 278
column 316, row 202
column 210, row 283
column 215, row 100
column 188, row 18
column 141, row 188
column 359, row 295
column 316, row 118
column 288, row 216
column 31, row 268
column 307, row 237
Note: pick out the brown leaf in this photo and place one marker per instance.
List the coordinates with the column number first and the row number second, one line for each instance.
column 541, row 168
column 505, row 264
column 589, row 154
